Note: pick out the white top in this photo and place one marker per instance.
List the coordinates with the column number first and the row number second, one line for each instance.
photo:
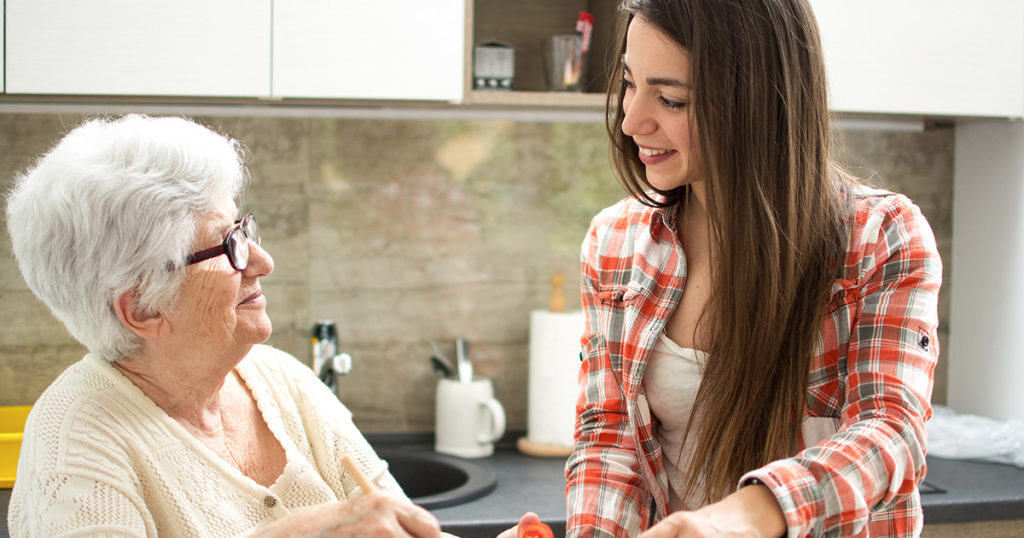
column 671, row 380
column 99, row 457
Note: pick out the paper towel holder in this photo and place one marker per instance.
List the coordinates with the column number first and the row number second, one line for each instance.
column 552, row 381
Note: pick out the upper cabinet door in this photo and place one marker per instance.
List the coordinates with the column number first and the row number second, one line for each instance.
column 348, row 49
column 930, row 57
column 131, row 47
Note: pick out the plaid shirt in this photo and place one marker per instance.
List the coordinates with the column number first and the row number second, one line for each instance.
column 874, row 377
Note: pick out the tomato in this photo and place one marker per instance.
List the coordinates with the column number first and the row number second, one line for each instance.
column 535, row 529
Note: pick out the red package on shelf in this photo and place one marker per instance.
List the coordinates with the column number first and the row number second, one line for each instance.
column 585, row 28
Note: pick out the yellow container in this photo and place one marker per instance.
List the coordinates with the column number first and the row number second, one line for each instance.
column 12, row 426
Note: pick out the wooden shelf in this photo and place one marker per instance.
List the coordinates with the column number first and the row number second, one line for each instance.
column 524, row 25
column 575, row 100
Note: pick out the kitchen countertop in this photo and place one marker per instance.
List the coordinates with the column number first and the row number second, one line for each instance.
column 955, row 492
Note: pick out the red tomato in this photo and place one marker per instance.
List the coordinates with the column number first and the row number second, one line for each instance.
column 535, row 529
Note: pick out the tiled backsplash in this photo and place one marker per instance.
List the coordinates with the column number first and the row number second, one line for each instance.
column 402, row 231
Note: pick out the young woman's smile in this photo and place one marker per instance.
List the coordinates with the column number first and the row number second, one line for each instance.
column 652, row 156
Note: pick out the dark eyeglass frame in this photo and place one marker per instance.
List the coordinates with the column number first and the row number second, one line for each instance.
column 250, row 232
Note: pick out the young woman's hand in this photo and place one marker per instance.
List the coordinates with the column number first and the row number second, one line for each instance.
column 373, row 515
column 751, row 511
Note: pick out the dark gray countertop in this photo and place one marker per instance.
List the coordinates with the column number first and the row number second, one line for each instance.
column 5, row 499
column 955, row 492
column 973, row 491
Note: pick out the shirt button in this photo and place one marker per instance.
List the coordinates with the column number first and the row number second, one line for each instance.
column 269, row 501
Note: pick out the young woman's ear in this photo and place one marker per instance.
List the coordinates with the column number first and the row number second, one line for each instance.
column 138, row 321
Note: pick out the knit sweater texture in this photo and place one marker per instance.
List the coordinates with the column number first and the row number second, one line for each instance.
column 100, row 457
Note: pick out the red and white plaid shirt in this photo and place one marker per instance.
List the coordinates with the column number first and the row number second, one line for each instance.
column 874, row 377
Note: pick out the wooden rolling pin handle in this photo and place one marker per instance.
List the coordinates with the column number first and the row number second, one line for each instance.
column 357, row 474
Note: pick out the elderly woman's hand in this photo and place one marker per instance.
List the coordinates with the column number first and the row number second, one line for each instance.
column 372, row 515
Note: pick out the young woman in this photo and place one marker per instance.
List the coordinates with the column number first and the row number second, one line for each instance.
column 760, row 342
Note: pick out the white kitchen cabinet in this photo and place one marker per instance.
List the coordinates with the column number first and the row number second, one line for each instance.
column 930, row 58
column 128, row 47
column 348, row 49
column 924, row 57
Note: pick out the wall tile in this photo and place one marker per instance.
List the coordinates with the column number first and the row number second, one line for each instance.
column 441, row 230
column 404, row 231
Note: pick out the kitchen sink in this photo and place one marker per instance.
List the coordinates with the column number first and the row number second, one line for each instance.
column 435, row 480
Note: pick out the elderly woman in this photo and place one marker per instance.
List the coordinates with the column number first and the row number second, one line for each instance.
column 178, row 422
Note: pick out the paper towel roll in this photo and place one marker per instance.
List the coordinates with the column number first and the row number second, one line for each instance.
column 554, row 363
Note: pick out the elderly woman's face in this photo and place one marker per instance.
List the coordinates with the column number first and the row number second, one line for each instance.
column 220, row 307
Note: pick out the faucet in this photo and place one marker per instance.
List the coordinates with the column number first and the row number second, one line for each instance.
column 327, row 362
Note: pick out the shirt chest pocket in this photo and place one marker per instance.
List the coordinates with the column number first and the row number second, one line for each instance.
column 615, row 303
column 615, row 317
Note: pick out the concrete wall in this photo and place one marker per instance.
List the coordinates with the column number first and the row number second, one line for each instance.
column 402, row 231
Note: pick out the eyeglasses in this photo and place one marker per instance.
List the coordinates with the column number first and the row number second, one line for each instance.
column 235, row 246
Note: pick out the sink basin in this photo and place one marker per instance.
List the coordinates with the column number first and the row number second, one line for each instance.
column 435, row 480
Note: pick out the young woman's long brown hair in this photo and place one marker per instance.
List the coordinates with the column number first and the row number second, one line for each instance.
column 777, row 207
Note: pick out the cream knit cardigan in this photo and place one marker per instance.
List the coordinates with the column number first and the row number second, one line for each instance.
column 99, row 457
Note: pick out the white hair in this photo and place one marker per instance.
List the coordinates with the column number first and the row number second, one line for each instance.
column 112, row 208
